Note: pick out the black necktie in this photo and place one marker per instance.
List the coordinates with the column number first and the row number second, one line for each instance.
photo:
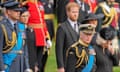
column 15, row 28
column 75, row 26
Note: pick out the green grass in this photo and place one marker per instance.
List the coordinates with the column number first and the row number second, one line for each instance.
column 116, row 69
column 51, row 65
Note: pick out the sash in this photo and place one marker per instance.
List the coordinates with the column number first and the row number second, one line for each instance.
column 9, row 57
column 90, row 64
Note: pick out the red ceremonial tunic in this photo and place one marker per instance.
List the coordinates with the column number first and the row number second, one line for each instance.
column 36, row 21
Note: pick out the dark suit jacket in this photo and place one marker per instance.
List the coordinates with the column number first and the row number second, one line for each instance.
column 31, row 47
column 65, row 37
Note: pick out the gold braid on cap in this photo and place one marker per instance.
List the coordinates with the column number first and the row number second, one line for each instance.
column 9, row 44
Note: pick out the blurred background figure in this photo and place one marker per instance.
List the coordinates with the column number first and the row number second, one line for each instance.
column 49, row 17
column 30, row 38
column 92, row 4
column 84, row 9
column 37, row 22
column 60, row 10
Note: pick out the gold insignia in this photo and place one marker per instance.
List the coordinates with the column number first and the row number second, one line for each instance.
column 90, row 27
column 1, row 18
column 71, row 53
column 5, row 66
column 20, row 52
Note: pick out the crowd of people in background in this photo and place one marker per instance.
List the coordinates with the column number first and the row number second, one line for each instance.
column 87, row 37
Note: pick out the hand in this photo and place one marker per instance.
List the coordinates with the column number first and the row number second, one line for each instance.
column 111, row 49
column 36, row 68
column 49, row 43
column 28, row 70
column 61, row 70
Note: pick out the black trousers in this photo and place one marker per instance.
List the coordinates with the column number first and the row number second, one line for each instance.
column 41, row 58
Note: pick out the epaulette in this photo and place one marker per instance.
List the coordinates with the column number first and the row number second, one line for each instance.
column 72, row 46
column 82, row 43
column 75, row 44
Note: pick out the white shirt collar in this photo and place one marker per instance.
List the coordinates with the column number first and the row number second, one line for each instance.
column 12, row 22
column 72, row 24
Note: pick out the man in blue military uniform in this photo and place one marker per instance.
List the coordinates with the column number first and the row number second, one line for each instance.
column 13, row 51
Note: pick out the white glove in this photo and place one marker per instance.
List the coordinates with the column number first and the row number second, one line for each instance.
column 49, row 43
column 28, row 70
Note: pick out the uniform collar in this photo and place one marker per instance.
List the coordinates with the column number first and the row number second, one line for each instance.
column 82, row 43
column 12, row 22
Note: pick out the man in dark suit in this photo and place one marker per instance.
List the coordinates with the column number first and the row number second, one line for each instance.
column 67, row 34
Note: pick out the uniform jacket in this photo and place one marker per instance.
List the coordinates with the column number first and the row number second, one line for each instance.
column 16, row 60
column 110, row 22
column 65, row 37
column 77, row 60
column 49, row 16
column 36, row 21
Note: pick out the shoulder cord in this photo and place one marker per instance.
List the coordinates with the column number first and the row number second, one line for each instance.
column 9, row 44
column 110, row 15
column 81, row 57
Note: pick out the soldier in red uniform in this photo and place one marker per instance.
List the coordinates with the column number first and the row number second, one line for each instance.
column 36, row 21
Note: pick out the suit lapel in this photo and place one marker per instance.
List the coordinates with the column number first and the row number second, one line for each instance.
column 74, row 35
